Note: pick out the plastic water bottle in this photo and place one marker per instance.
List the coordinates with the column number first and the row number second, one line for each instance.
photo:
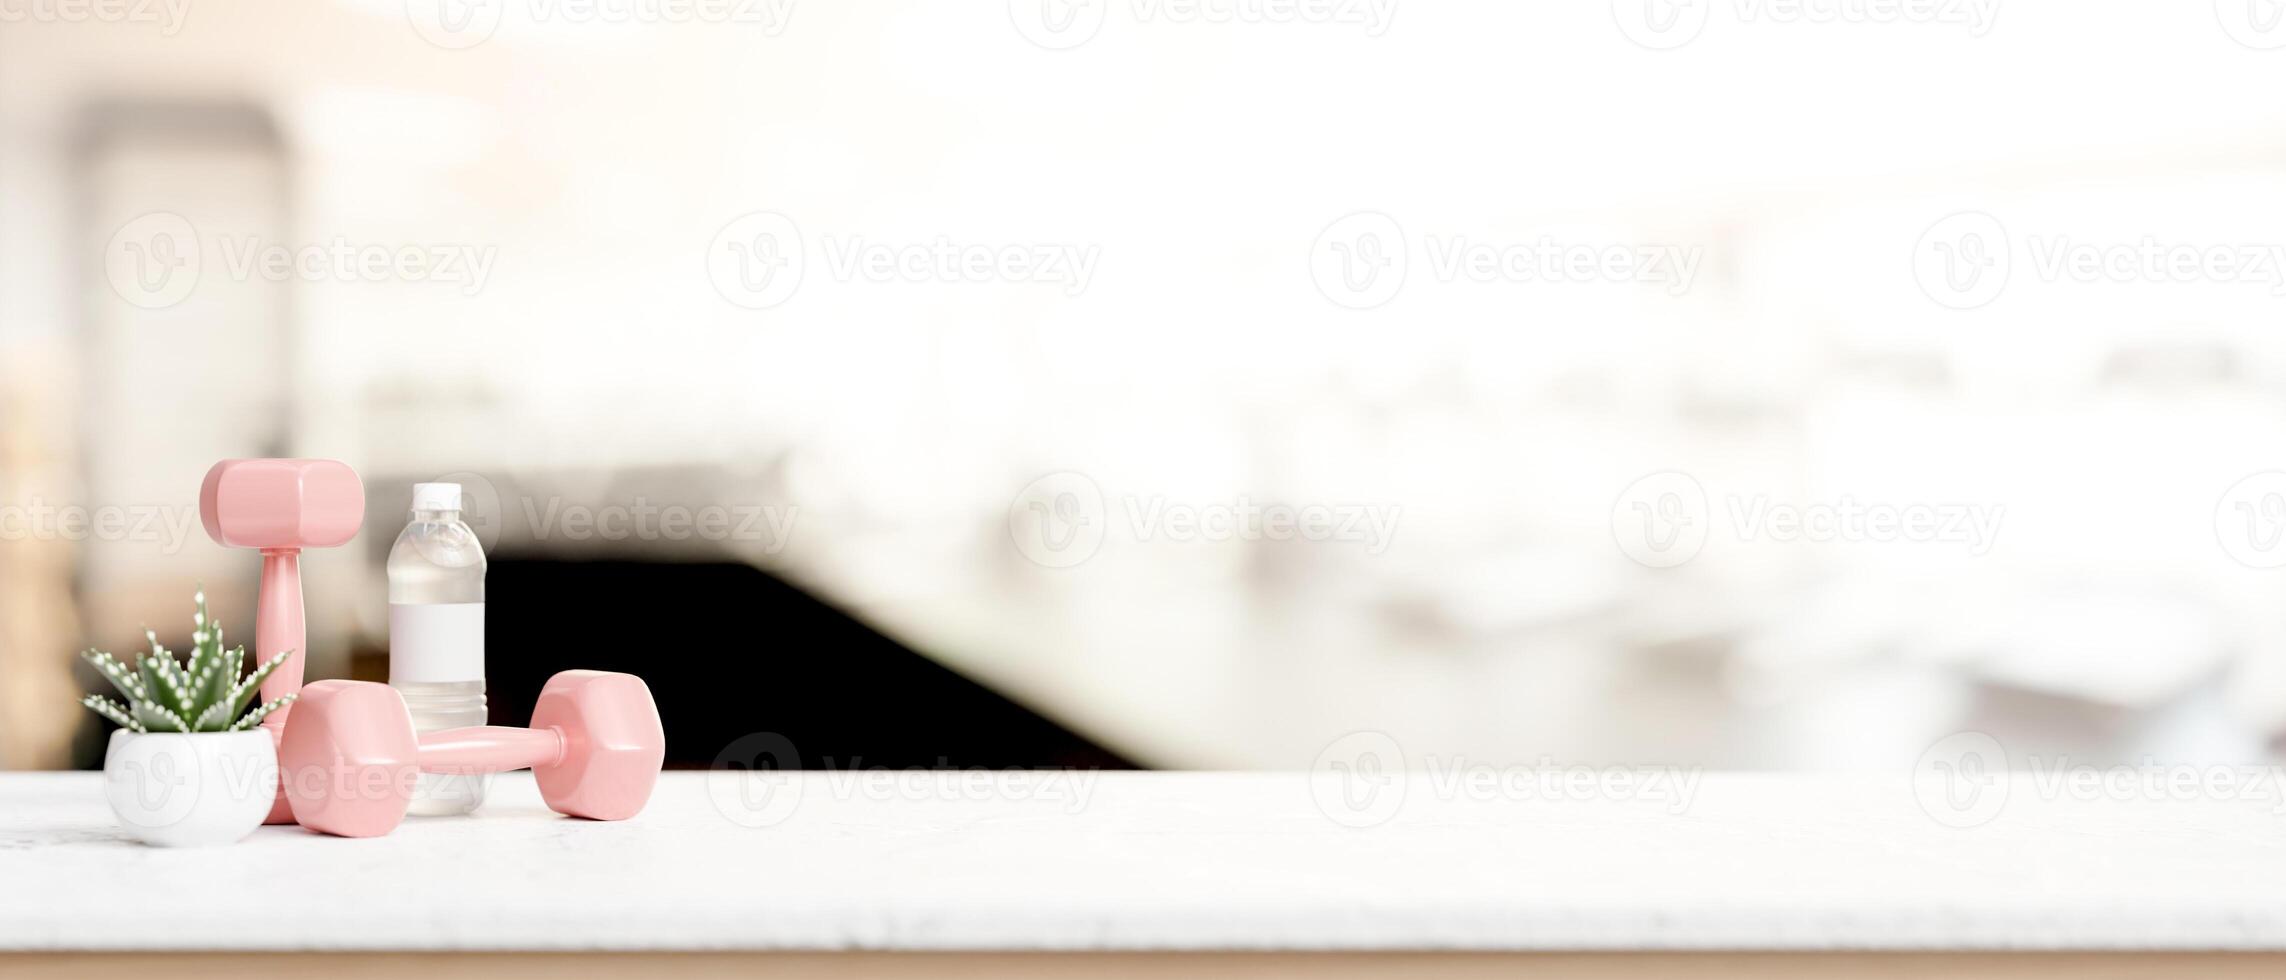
column 436, row 634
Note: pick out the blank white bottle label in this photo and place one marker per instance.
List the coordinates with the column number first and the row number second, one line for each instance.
column 436, row 642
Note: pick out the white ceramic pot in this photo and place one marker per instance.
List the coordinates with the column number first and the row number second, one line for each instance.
column 178, row 790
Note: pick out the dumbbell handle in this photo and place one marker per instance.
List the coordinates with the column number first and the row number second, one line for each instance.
column 279, row 628
column 490, row 748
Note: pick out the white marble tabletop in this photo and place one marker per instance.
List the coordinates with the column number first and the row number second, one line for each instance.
column 1173, row 861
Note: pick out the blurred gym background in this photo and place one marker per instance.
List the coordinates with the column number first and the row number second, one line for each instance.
column 1005, row 512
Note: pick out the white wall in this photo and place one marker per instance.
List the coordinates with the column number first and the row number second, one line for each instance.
column 1803, row 162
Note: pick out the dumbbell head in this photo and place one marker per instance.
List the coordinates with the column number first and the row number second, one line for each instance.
column 281, row 503
column 349, row 760
column 613, row 744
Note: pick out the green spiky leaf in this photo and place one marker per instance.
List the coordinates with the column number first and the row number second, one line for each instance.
column 162, row 677
column 255, row 716
column 113, row 710
column 160, row 718
column 212, row 719
column 244, row 692
column 117, row 673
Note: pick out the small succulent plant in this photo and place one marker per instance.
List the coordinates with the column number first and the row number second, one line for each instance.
column 205, row 695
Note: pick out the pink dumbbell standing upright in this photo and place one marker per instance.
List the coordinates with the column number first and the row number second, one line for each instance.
column 348, row 761
column 281, row 506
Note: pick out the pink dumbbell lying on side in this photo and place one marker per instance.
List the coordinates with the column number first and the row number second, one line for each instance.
column 349, row 757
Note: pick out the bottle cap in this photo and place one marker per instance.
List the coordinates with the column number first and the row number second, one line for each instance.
column 436, row 496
